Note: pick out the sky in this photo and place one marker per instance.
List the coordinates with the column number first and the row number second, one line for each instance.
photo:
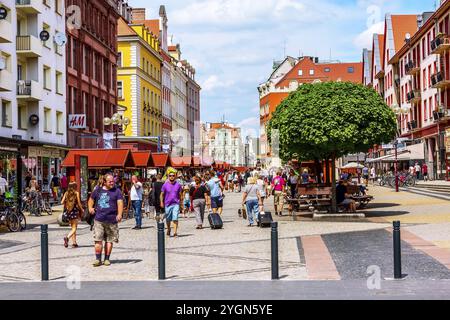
column 232, row 43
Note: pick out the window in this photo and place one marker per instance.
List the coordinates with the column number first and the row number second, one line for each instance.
column 59, row 122
column 327, row 70
column 311, row 72
column 47, row 78
column 119, row 60
column 47, row 120
column 22, row 117
column 300, row 72
column 120, row 90
column 6, row 114
column 351, row 70
column 58, row 6
column 59, row 82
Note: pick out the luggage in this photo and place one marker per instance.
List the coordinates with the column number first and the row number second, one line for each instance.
column 265, row 219
column 215, row 221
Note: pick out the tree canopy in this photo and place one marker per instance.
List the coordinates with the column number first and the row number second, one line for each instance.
column 331, row 119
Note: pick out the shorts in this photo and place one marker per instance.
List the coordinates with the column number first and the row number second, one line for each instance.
column 216, row 202
column 366, row 177
column 346, row 202
column 187, row 204
column 278, row 198
column 106, row 232
column 172, row 213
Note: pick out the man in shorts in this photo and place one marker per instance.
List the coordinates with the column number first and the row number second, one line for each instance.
column 278, row 185
column 172, row 200
column 215, row 188
column 106, row 204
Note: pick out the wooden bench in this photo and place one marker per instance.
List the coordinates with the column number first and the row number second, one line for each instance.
column 361, row 200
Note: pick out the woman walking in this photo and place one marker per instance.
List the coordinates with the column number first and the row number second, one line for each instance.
column 199, row 201
column 252, row 199
column 73, row 210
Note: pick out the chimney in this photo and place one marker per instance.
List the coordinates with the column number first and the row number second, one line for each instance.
column 138, row 14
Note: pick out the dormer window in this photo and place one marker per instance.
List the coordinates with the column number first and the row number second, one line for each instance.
column 351, row 70
column 327, row 70
column 311, row 72
column 300, row 72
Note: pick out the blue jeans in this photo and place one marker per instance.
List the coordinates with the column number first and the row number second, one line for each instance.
column 252, row 211
column 137, row 206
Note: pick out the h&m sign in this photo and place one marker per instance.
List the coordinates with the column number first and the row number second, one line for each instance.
column 77, row 121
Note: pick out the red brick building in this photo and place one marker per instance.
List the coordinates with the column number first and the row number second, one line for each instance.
column 92, row 69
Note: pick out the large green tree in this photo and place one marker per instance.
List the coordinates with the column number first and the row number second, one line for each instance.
column 329, row 120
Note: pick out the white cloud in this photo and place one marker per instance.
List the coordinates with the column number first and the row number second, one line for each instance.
column 213, row 82
column 365, row 38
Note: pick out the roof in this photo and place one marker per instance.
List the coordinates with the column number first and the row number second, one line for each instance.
column 401, row 25
column 160, row 160
column 181, row 162
column 102, row 158
column 172, row 48
column 152, row 25
column 142, row 159
column 123, row 29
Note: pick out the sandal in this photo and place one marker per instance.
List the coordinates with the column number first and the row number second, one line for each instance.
column 66, row 242
column 75, row 245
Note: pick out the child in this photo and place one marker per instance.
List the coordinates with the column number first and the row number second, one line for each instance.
column 187, row 201
column 147, row 191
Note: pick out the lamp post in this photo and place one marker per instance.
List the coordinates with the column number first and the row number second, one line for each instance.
column 118, row 121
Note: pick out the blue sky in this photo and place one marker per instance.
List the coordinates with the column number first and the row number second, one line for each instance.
column 233, row 43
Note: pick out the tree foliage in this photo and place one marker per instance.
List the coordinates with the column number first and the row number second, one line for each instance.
column 330, row 120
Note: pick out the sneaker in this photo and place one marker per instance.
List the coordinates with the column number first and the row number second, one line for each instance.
column 97, row 263
column 66, row 242
column 107, row 263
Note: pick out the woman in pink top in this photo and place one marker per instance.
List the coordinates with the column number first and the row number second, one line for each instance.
column 278, row 187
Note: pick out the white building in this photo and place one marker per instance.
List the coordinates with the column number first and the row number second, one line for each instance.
column 224, row 143
column 33, row 82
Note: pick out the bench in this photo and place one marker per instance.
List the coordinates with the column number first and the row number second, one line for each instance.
column 361, row 200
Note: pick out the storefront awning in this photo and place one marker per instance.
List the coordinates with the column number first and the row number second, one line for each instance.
column 102, row 159
column 380, row 159
column 142, row 159
column 411, row 153
column 181, row 162
column 160, row 160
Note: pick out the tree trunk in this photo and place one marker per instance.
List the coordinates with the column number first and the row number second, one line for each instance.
column 333, row 181
column 318, row 166
column 327, row 172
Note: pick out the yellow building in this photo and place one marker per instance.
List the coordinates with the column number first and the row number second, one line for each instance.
column 139, row 80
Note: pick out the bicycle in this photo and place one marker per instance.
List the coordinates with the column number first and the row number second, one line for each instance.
column 13, row 220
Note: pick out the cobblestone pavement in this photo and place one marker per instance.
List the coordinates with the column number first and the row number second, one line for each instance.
column 241, row 253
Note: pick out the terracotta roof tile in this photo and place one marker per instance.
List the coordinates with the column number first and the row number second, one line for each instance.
column 123, row 29
column 152, row 25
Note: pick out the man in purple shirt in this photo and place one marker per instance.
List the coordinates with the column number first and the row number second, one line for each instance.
column 107, row 205
column 172, row 200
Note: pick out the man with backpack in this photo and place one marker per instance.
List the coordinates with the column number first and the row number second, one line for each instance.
column 278, row 187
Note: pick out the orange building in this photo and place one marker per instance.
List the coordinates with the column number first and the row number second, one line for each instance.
column 287, row 77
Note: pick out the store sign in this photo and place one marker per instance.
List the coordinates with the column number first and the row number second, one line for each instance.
column 448, row 140
column 34, row 152
column 30, row 163
column 77, row 121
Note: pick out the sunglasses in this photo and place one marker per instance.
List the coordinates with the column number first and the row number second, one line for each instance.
column 171, row 175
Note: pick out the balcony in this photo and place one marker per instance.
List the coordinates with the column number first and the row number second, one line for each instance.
column 412, row 125
column 6, row 81
column 29, row 6
column 438, row 81
column 28, row 46
column 440, row 44
column 6, row 33
column 412, row 67
column 28, row 90
column 413, row 96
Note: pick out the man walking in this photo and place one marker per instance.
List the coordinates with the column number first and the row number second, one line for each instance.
column 108, row 210
column 417, row 168
column 136, row 201
column 215, row 188
column 172, row 201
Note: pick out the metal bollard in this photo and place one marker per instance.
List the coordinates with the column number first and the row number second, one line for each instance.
column 275, row 264
column 397, row 251
column 161, row 252
column 44, row 252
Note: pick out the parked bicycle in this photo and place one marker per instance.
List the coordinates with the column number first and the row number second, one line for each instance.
column 35, row 204
column 13, row 219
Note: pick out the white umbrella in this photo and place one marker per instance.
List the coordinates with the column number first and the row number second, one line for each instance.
column 353, row 165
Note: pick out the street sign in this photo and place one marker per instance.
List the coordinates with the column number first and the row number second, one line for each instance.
column 77, row 121
column 108, row 139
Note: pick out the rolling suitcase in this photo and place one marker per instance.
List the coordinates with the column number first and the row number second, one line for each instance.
column 265, row 219
column 215, row 221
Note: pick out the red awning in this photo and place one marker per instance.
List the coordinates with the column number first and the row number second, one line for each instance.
column 181, row 162
column 207, row 161
column 102, row 159
column 160, row 160
column 142, row 159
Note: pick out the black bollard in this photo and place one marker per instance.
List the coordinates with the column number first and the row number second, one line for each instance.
column 397, row 251
column 44, row 252
column 161, row 252
column 275, row 272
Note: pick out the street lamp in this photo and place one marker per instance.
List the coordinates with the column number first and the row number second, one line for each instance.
column 398, row 112
column 118, row 121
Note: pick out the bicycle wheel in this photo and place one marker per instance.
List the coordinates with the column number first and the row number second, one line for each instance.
column 22, row 221
column 48, row 208
column 12, row 221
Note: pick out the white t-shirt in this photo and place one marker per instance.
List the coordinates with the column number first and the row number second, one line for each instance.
column 262, row 187
column 3, row 185
column 418, row 169
column 412, row 170
column 136, row 192
column 372, row 172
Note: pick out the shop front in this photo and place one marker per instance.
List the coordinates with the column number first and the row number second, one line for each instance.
column 42, row 163
column 8, row 169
